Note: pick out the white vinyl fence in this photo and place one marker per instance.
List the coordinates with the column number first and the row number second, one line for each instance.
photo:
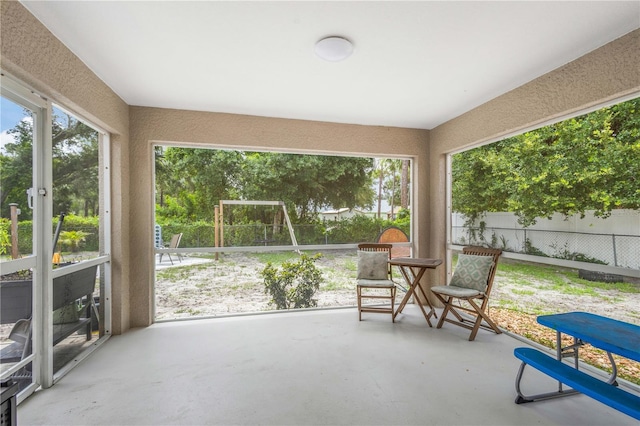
column 613, row 241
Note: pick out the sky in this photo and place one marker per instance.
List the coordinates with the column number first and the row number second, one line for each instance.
column 10, row 115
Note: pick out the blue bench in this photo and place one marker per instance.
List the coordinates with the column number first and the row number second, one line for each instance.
column 610, row 395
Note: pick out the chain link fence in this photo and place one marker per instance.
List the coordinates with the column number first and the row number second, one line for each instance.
column 608, row 249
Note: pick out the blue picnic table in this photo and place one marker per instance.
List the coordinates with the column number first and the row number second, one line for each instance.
column 610, row 335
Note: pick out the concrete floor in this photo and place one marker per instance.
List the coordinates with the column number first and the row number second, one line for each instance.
column 298, row 368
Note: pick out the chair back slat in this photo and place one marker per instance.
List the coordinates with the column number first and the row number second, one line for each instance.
column 175, row 240
column 378, row 247
column 483, row 251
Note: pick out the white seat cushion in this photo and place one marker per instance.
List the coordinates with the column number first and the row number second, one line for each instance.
column 375, row 283
column 451, row 290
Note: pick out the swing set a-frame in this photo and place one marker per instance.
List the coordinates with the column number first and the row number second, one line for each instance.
column 219, row 219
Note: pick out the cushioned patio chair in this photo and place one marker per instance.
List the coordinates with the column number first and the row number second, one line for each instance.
column 470, row 286
column 374, row 274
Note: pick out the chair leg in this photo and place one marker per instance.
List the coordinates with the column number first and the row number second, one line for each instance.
column 482, row 316
column 477, row 323
column 454, row 312
column 476, row 327
column 492, row 324
column 393, row 300
column 445, row 311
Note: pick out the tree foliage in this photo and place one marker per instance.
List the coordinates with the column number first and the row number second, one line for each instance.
column 591, row 162
column 75, row 166
column 16, row 174
column 307, row 183
column 190, row 182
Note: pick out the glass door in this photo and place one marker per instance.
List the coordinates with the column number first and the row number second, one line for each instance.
column 54, row 239
column 22, row 209
column 79, row 247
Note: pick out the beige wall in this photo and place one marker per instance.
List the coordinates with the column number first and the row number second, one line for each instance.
column 30, row 53
column 151, row 125
column 606, row 74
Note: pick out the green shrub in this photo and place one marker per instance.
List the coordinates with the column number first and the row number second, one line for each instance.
column 295, row 285
column 5, row 237
column 252, row 233
column 72, row 240
column 88, row 227
column 194, row 234
column 85, row 229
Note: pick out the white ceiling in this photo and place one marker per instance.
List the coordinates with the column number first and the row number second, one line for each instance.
column 416, row 64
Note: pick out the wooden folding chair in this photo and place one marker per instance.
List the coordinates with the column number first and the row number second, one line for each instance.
column 374, row 273
column 471, row 284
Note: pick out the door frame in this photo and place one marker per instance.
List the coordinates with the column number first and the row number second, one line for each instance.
column 40, row 258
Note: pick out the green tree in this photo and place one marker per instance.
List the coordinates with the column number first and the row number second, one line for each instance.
column 395, row 186
column 404, row 185
column 196, row 179
column 190, row 182
column 16, row 173
column 163, row 175
column 75, row 166
column 308, row 183
column 591, row 162
column 382, row 169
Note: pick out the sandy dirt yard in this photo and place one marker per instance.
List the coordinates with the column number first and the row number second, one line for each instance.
column 233, row 284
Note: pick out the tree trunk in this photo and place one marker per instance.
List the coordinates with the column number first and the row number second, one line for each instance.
column 278, row 218
column 393, row 196
column 380, row 179
column 404, row 185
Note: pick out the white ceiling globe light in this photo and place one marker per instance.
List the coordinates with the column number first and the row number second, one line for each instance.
column 334, row 48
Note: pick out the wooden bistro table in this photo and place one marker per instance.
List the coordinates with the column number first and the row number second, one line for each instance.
column 412, row 269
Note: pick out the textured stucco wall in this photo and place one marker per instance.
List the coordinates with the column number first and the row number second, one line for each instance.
column 155, row 125
column 30, row 53
column 606, row 74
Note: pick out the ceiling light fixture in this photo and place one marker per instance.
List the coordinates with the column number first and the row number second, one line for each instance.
column 334, row 48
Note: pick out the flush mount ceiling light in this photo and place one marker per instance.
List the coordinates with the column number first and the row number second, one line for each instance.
column 334, row 48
